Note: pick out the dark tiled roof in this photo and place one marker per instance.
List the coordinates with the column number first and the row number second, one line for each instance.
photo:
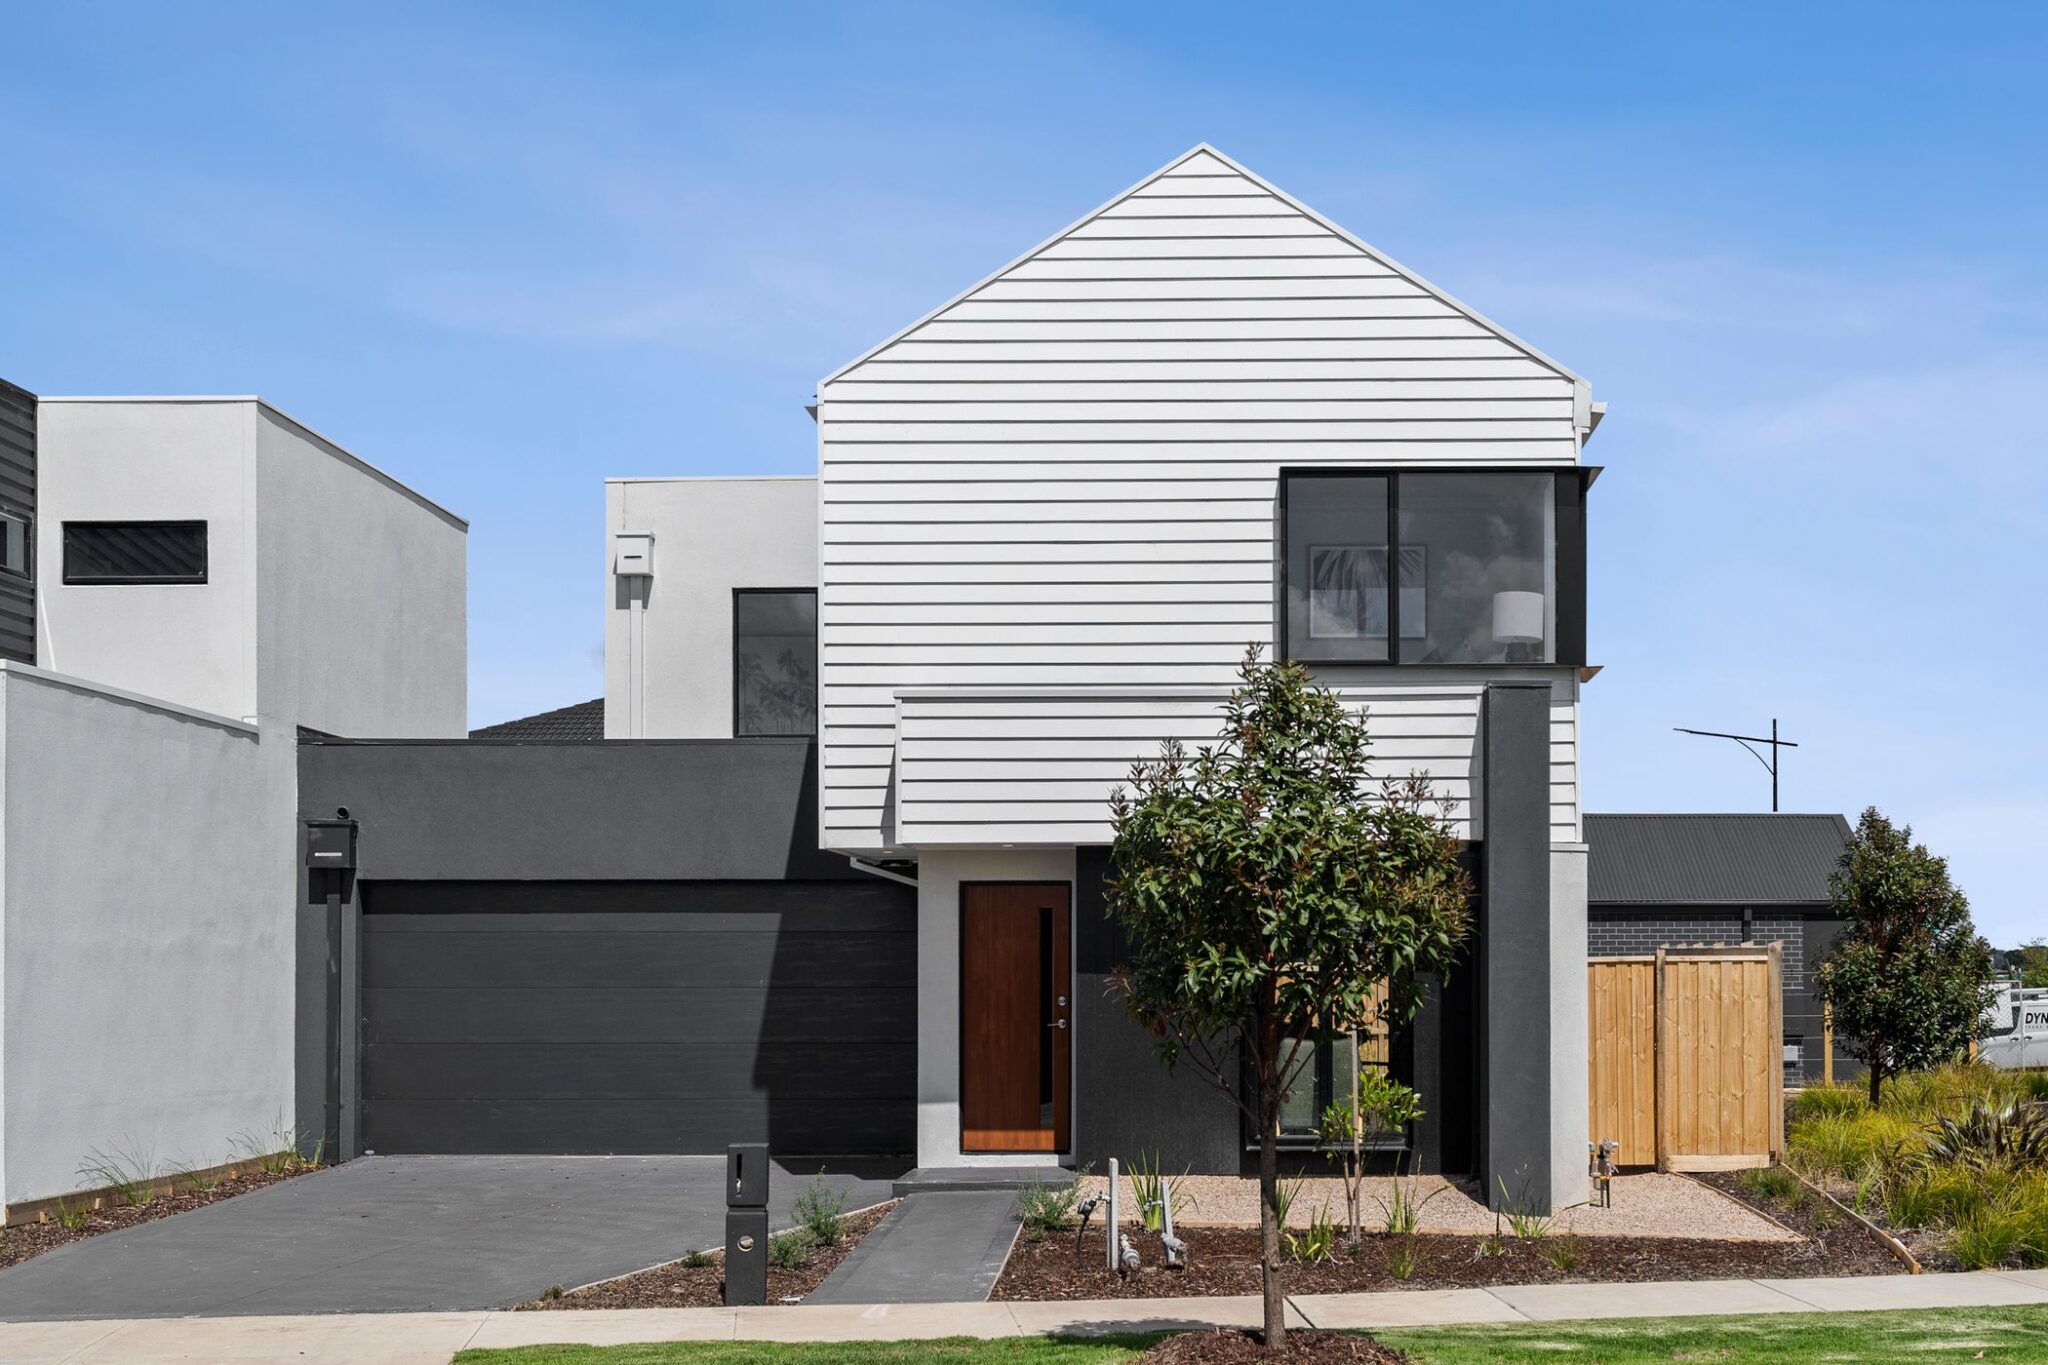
column 584, row 720
column 1712, row 859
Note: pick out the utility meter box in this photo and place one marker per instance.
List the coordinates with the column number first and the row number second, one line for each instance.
column 633, row 554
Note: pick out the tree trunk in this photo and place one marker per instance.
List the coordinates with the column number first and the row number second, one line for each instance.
column 1269, row 1175
column 1876, row 1079
column 1269, row 1233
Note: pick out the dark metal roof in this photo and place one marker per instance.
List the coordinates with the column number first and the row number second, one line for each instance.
column 584, row 720
column 1712, row 859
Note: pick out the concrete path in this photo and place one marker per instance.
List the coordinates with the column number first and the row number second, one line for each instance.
column 403, row 1234
column 432, row 1338
column 932, row 1248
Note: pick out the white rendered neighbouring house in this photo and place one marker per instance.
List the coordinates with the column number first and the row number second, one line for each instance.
column 200, row 580
column 1049, row 517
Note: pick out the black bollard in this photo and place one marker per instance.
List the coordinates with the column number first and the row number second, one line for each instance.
column 746, row 1223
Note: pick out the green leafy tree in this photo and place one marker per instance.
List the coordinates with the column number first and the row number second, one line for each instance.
column 1264, row 894
column 2030, row 962
column 1909, row 979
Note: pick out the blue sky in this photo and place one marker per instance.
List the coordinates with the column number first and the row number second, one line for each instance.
column 506, row 251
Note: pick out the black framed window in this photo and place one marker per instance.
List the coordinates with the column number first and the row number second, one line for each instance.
column 1432, row 566
column 134, row 552
column 775, row 661
column 17, row 541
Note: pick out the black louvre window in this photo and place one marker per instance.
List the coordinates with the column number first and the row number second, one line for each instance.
column 134, row 552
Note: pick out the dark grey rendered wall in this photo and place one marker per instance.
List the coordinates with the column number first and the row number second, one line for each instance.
column 18, row 496
column 470, row 851
column 1514, row 944
column 1128, row 1104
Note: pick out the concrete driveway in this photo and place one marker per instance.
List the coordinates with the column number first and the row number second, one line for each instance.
column 406, row 1234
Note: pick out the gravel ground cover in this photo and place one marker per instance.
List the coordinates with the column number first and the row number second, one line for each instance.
column 1645, row 1205
column 677, row 1285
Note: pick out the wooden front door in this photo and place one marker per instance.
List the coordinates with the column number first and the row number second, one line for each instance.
column 1016, row 1035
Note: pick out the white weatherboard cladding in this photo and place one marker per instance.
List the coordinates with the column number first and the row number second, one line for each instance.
column 1064, row 482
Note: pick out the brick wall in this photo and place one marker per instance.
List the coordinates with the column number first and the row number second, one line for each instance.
column 1638, row 932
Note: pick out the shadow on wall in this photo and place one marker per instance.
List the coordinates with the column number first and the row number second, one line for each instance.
column 835, row 1061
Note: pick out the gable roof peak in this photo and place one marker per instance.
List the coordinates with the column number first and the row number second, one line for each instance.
column 1203, row 152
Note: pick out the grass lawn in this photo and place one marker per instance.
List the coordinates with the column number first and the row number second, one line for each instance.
column 1991, row 1334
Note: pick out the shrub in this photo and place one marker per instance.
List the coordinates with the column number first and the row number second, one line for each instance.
column 821, row 1212
column 1991, row 1134
column 1820, row 1101
column 791, row 1249
column 72, row 1217
column 1045, row 1209
column 1850, row 1145
column 1771, row 1182
column 1991, row 1235
column 1152, row 1187
column 552, row 1292
column 700, row 1260
column 1316, row 1242
column 130, row 1174
column 1401, row 1259
column 1910, row 1202
column 1565, row 1253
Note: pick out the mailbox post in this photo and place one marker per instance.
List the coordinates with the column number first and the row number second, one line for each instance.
column 746, row 1223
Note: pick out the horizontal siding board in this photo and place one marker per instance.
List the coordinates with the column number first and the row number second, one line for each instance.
column 1148, row 394
column 1266, row 407
column 889, row 367
column 1049, row 311
column 1029, row 329
column 1290, row 347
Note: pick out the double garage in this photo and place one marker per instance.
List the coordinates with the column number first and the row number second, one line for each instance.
column 725, row 983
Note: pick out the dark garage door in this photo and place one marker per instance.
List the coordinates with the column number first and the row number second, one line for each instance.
column 638, row 1016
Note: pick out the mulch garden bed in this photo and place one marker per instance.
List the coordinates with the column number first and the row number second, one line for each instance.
column 1226, row 1347
column 1810, row 1218
column 677, row 1285
column 29, row 1240
column 1226, row 1261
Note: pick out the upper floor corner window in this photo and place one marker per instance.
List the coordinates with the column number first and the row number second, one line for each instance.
column 1450, row 567
column 14, row 543
column 775, row 661
column 134, row 552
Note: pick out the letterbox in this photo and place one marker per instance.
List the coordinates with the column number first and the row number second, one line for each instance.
column 331, row 845
column 746, row 1175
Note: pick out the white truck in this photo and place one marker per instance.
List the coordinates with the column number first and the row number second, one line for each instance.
column 2016, row 1028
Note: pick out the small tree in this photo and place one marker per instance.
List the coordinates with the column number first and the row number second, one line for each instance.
column 1909, row 980
column 1264, row 897
column 1350, row 1127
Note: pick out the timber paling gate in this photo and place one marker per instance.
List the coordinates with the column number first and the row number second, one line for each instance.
column 1687, row 1057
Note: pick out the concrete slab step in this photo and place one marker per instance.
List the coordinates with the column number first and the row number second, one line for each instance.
column 948, row 1179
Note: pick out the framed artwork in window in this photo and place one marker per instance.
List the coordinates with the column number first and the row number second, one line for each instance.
column 1347, row 592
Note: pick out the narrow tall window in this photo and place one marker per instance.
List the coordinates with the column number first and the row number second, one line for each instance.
column 134, row 552
column 775, row 661
column 14, row 543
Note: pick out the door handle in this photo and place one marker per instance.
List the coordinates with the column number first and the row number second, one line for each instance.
column 1057, row 1023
